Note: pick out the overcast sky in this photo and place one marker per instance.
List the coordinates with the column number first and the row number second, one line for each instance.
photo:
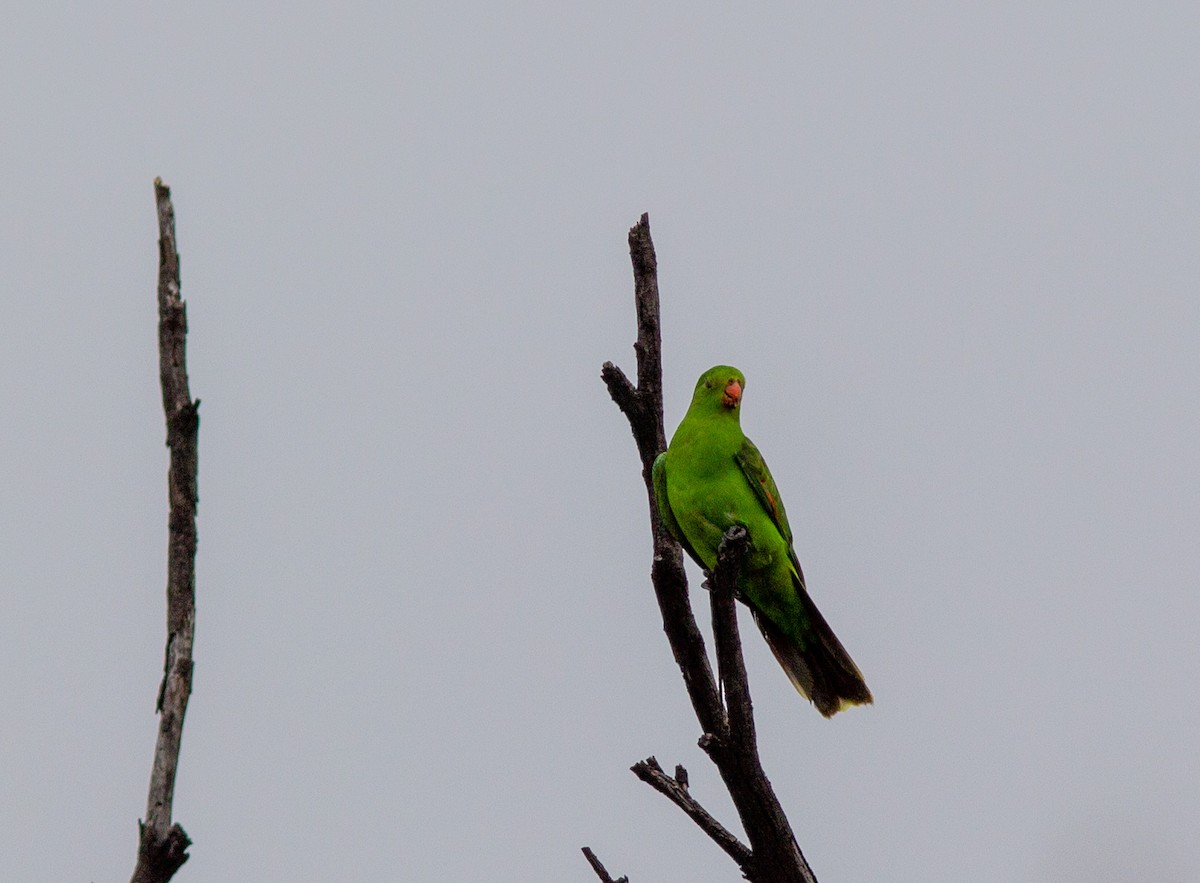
column 952, row 246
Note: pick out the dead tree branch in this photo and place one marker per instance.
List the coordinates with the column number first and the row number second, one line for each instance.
column 725, row 714
column 599, row 868
column 643, row 406
column 777, row 855
column 162, row 846
column 675, row 789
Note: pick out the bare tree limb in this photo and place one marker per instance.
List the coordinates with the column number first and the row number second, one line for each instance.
column 725, row 713
column 676, row 790
column 777, row 854
column 162, row 847
column 599, row 868
column 731, row 668
column 644, row 408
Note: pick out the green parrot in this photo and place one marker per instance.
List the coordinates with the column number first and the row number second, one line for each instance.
column 711, row 478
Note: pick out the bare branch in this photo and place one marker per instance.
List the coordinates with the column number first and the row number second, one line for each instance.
column 599, row 868
column 725, row 715
column 162, row 846
column 649, row 339
column 644, row 408
column 676, row 790
column 730, row 665
column 777, row 855
column 622, row 391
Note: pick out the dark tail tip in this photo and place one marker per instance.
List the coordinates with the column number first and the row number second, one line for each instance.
column 823, row 671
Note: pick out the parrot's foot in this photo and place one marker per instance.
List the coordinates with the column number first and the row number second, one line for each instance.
column 708, row 587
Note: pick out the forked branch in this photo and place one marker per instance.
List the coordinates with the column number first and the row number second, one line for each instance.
column 725, row 713
column 675, row 789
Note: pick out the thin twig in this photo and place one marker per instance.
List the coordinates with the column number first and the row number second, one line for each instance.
column 676, row 790
column 599, row 868
column 162, row 846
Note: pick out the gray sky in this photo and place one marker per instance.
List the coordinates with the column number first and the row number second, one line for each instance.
column 952, row 246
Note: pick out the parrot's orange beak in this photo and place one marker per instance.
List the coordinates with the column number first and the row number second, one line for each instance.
column 733, row 394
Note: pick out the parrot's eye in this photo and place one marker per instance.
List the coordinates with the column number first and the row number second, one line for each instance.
column 708, row 384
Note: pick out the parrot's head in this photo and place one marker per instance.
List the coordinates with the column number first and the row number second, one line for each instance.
column 720, row 389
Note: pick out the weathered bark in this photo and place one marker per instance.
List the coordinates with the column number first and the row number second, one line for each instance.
column 162, row 846
column 599, row 868
column 675, row 789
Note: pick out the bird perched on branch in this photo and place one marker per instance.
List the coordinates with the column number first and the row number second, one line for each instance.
column 711, row 478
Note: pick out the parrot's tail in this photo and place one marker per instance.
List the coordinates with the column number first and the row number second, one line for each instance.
column 822, row 670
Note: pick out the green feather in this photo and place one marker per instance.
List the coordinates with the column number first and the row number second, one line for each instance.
column 712, row 477
column 658, row 473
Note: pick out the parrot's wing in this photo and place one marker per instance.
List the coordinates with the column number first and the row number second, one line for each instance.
column 756, row 472
column 819, row 667
column 659, row 474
